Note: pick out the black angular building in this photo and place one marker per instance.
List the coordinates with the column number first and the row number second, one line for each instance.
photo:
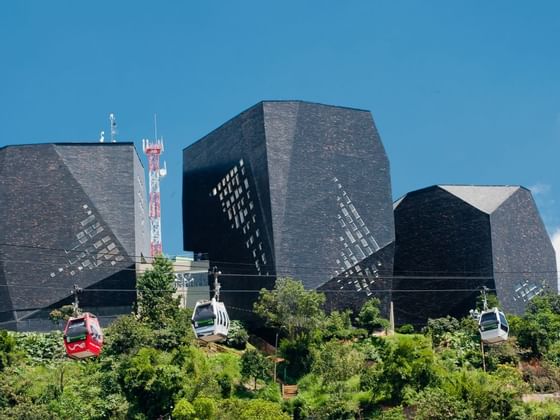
column 291, row 188
column 70, row 213
column 451, row 240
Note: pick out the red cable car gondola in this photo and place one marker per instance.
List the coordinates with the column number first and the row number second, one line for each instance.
column 83, row 336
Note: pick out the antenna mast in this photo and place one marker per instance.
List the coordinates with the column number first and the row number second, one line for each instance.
column 153, row 150
column 113, row 127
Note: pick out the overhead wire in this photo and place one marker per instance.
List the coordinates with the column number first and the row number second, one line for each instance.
column 126, row 266
column 251, row 290
column 202, row 264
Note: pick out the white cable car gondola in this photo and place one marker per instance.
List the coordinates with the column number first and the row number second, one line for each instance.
column 210, row 319
column 492, row 324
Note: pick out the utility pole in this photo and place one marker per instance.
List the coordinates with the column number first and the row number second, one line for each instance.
column 275, row 356
column 485, row 308
column 391, row 319
column 184, row 292
column 483, row 357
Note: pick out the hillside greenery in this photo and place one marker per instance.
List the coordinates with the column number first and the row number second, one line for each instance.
column 344, row 364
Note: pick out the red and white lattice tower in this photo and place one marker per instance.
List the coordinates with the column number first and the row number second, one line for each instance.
column 153, row 150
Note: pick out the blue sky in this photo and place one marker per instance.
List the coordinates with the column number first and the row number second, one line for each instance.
column 461, row 92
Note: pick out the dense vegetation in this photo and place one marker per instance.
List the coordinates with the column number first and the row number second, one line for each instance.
column 152, row 366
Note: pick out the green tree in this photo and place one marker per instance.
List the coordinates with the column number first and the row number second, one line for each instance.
column 438, row 328
column 393, row 413
column 204, row 374
column 538, row 329
column 177, row 332
column 436, row 404
column 489, row 396
column 254, row 365
column 184, row 410
column 7, row 349
column 337, row 407
column 406, row 329
column 27, row 410
column 491, row 301
column 370, row 317
column 62, row 314
column 298, row 355
column 543, row 410
column 150, row 382
column 291, row 308
column 407, row 364
column 205, row 408
column 335, row 362
column 339, row 325
column 156, row 304
column 251, row 410
column 126, row 335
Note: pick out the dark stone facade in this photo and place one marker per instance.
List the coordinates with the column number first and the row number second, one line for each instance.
column 290, row 188
column 71, row 213
column 452, row 240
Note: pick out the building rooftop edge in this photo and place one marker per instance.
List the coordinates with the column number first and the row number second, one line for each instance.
column 263, row 102
column 397, row 201
column 80, row 143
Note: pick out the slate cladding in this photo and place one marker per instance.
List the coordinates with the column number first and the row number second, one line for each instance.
column 291, row 188
column 70, row 213
column 451, row 238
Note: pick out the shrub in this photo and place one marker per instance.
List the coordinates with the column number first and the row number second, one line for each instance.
column 254, row 365
column 205, row 408
column 184, row 410
column 41, row 347
column 226, row 385
column 27, row 411
column 336, row 408
column 542, row 377
column 335, row 362
column 237, row 335
column 436, row 404
column 7, row 349
column 338, row 325
column 370, row 318
column 150, row 382
column 406, row 329
column 407, row 363
column 297, row 353
column 126, row 335
column 250, row 410
column 438, row 327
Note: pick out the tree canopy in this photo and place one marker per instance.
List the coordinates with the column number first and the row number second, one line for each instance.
column 153, row 367
column 291, row 308
column 156, row 304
